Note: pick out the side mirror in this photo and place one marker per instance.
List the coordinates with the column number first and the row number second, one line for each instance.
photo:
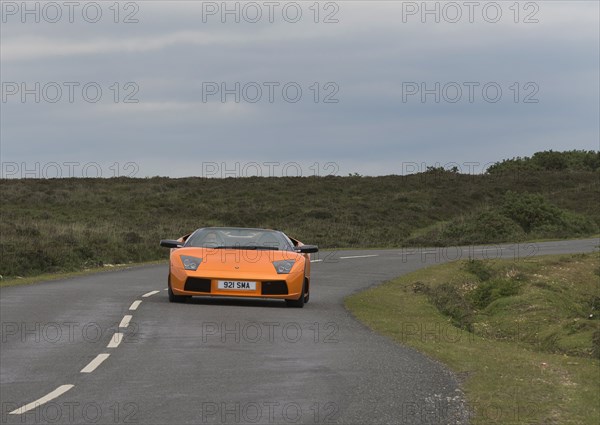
column 169, row 243
column 307, row 249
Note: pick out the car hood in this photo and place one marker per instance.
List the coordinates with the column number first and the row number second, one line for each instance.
column 225, row 259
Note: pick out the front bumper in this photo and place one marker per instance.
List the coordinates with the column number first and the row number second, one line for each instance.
column 276, row 286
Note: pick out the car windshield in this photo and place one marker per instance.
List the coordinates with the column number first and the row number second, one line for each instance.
column 239, row 238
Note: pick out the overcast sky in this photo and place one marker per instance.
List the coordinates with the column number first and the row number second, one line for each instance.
column 381, row 90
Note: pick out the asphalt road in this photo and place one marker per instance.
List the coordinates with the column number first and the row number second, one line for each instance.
column 222, row 360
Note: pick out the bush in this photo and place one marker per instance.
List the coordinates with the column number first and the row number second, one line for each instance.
column 536, row 215
column 483, row 227
column 575, row 160
column 479, row 269
column 450, row 302
column 490, row 291
column 529, row 210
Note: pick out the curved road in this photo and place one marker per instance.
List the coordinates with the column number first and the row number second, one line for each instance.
column 82, row 350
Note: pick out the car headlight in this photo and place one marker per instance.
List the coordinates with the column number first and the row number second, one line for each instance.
column 283, row 266
column 190, row 263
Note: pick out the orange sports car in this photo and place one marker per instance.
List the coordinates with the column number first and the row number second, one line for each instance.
column 239, row 262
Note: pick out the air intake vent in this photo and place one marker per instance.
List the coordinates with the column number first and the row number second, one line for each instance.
column 274, row 287
column 196, row 284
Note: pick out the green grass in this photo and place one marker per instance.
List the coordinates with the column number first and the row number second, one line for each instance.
column 65, row 225
column 519, row 334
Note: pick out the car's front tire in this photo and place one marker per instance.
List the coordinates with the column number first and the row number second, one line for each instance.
column 307, row 294
column 175, row 298
column 299, row 303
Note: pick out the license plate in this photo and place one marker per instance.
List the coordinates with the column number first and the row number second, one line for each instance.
column 237, row 285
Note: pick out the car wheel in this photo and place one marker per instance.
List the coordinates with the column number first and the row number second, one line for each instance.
column 299, row 303
column 307, row 294
column 175, row 298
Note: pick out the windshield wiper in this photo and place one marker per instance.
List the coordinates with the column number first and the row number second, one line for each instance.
column 249, row 247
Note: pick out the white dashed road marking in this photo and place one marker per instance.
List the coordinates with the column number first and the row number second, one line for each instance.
column 51, row 396
column 95, row 363
column 360, row 256
column 315, row 261
column 134, row 305
column 125, row 321
column 115, row 340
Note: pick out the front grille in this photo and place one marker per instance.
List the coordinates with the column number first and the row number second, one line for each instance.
column 274, row 287
column 196, row 284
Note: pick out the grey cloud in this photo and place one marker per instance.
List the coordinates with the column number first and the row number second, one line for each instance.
column 369, row 54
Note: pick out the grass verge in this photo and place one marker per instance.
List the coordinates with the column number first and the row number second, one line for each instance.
column 524, row 336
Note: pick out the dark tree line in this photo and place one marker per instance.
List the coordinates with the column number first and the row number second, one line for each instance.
column 574, row 160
